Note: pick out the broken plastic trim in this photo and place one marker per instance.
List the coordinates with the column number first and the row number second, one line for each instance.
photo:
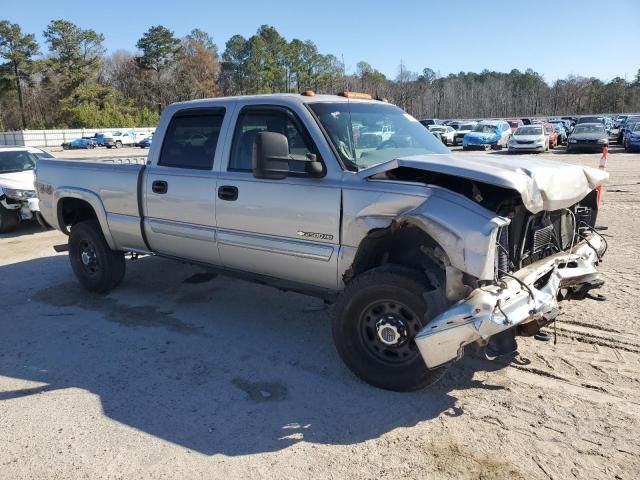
column 494, row 308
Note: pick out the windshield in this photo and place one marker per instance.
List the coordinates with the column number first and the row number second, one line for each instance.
column 589, row 120
column 484, row 128
column 588, row 129
column 41, row 154
column 17, row 161
column 366, row 134
column 513, row 123
column 466, row 126
column 528, row 131
column 436, row 128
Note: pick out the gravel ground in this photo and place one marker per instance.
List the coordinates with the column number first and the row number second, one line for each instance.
column 181, row 375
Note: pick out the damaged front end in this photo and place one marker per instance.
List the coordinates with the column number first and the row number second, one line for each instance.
column 555, row 256
column 22, row 203
column 514, row 237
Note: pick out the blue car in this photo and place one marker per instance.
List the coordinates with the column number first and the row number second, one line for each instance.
column 487, row 134
column 632, row 138
column 79, row 143
column 145, row 142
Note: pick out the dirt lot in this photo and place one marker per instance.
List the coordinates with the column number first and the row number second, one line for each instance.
column 183, row 376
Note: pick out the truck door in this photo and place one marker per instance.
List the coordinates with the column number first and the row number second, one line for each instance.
column 180, row 187
column 287, row 228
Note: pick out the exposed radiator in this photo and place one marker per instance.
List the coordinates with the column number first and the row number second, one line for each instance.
column 542, row 237
column 502, row 250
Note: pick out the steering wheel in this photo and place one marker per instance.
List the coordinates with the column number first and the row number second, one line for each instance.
column 387, row 144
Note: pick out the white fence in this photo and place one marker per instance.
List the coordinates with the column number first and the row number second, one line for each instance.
column 55, row 138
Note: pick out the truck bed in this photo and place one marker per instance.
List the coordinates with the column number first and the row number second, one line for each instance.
column 110, row 188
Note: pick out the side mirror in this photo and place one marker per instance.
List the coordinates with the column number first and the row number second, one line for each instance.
column 271, row 157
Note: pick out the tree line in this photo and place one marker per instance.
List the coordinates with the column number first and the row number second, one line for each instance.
column 71, row 82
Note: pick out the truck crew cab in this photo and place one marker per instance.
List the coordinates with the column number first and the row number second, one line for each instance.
column 423, row 252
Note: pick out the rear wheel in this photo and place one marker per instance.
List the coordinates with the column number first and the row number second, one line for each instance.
column 97, row 267
column 8, row 220
column 376, row 319
column 118, row 144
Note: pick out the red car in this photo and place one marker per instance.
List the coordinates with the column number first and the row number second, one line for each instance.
column 514, row 123
column 552, row 134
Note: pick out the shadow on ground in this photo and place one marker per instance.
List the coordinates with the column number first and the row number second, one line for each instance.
column 210, row 363
column 28, row 227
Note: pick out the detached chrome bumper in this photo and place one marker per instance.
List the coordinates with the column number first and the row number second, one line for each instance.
column 492, row 309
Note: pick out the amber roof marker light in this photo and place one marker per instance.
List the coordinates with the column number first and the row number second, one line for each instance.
column 357, row 95
column 308, row 93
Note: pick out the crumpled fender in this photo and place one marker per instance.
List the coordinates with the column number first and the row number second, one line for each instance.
column 465, row 230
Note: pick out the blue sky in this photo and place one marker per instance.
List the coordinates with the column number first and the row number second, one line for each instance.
column 555, row 38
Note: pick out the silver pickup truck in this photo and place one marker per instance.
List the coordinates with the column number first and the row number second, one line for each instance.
column 422, row 252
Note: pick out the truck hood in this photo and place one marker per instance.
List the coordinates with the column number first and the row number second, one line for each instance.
column 18, row 180
column 542, row 184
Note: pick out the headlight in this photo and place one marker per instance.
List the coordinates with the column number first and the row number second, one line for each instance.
column 603, row 141
column 540, row 140
column 19, row 194
column 573, row 140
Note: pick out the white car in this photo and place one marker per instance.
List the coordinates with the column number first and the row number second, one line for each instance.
column 463, row 129
column 18, row 199
column 119, row 139
column 529, row 138
column 446, row 132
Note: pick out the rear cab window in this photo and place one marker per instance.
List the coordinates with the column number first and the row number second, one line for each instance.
column 191, row 139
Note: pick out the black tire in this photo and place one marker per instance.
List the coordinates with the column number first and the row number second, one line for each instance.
column 8, row 220
column 118, row 144
column 357, row 335
column 100, row 269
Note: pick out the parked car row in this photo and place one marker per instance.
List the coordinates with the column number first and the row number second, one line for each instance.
column 579, row 133
column 116, row 139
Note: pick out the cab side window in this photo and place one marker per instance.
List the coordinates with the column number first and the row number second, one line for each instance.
column 191, row 139
column 252, row 122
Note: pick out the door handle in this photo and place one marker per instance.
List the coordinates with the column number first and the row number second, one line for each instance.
column 159, row 186
column 228, row 193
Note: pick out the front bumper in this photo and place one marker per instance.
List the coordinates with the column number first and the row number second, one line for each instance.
column 586, row 147
column 526, row 147
column 24, row 208
column 492, row 309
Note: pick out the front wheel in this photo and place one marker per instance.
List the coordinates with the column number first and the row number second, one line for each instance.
column 8, row 220
column 376, row 319
column 97, row 267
